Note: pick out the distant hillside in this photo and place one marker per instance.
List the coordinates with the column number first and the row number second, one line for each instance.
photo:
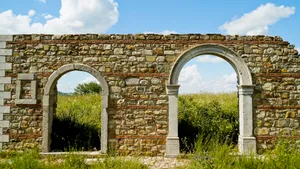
column 64, row 94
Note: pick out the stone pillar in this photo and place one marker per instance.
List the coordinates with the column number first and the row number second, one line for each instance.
column 172, row 145
column 247, row 141
column 4, row 65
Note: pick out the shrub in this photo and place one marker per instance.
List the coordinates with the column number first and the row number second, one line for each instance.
column 88, row 88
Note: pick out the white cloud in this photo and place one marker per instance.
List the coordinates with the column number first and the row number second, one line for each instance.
column 298, row 49
column 230, row 79
column 44, row 1
column 31, row 13
column 191, row 81
column 165, row 32
column 209, row 59
column 48, row 16
column 76, row 16
column 190, row 74
column 258, row 21
column 89, row 79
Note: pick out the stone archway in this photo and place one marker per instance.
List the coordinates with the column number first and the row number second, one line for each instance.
column 247, row 141
column 48, row 109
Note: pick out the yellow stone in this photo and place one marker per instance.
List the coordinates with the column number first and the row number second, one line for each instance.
column 150, row 58
column 108, row 69
column 290, row 115
column 284, row 70
column 171, row 58
column 46, row 47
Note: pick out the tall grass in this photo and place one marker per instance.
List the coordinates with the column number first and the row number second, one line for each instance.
column 209, row 115
column 82, row 108
column 212, row 154
column 77, row 123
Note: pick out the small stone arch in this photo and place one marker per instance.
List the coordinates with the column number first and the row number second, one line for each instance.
column 48, row 109
column 247, row 141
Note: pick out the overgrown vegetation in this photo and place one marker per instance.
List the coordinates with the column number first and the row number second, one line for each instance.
column 209, row 115
column 77, row 123
column 211, row 153
column 87, row 88
column 32, row 160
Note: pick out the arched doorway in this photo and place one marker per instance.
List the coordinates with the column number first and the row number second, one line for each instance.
column 247, row 141
column 48, row 108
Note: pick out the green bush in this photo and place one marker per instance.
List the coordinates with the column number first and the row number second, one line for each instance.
column 208, row 115
column 88, row 88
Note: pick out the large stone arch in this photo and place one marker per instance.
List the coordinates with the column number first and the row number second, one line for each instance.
column 247, row 141
column 48, row 109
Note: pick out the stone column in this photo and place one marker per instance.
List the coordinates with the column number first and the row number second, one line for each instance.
column 172, row 145
column 247, row 141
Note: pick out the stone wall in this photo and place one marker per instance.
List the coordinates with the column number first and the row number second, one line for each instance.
column 137, row 69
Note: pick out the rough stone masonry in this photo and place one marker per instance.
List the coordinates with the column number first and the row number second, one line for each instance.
column 139, row 76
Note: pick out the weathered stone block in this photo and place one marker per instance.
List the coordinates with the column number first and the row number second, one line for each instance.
column 4, row 66
column 6, row 52
column 150, row 58
column 4, row 38
column 2, row 45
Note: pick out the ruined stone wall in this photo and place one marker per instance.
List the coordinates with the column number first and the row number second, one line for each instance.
column 137, row 69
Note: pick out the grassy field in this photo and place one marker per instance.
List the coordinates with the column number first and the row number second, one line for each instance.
column 77, row 123
column 82, row 108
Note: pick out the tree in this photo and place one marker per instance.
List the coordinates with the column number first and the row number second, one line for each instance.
column 87, row 88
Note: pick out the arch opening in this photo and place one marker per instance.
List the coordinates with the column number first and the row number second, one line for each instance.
column 246, row 140
column 49, row 101
column 207, row 101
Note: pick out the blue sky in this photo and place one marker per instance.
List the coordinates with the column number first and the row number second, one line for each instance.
column 277, row 17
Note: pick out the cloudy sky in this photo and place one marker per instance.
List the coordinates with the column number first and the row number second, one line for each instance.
column 201, row 74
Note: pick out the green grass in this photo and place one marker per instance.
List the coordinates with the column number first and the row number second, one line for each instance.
column 228, row 101
column 31, row 160
column 208, row 115
column 213, row 154
column 83, row 108
column 77, row 123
